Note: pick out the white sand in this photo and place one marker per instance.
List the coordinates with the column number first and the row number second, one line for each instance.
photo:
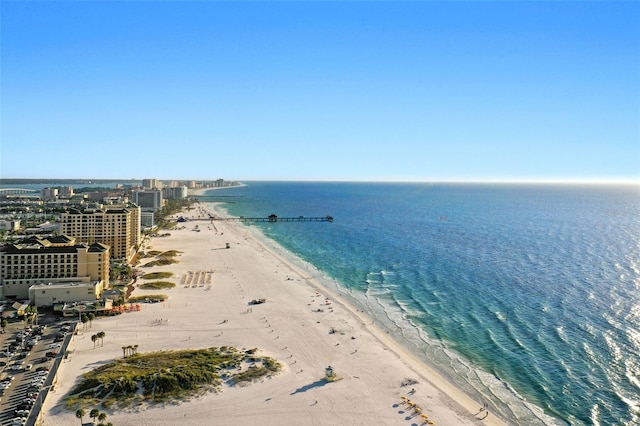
column 286, row 327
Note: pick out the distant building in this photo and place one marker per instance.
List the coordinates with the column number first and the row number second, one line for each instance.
column 175, row 193
column 50, row 260
column 54, row 193
column 148, row 199
column 49, row 193
column 65, row 191
column 117, row 227
column 151, row 184
column 100, row 195
column 147, row 219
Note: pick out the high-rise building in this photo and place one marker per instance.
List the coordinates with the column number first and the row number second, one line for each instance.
column 117, row 227
column 65, row 191
column 51, row 260
column 49, row 193
column 175, row 193
column 148, row 200
column 151, row 184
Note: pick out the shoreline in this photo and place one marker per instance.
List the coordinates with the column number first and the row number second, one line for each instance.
column 295, row 326
column 425, row 370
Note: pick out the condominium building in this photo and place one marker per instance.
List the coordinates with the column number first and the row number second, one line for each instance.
column 50, row 260
column 117, row 227
column 175, row 193
column 54, row 193
column 151, row 184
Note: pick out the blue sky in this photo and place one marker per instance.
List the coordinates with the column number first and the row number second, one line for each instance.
column 385, row 91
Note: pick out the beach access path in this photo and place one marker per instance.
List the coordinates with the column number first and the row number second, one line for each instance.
column 301, row 324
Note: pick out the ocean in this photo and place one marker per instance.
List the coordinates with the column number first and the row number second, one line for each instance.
column 527, row 297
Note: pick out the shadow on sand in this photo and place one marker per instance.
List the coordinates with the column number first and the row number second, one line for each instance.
column 305, row 388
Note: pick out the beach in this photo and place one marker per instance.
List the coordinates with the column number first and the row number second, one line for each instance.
column 301, row 324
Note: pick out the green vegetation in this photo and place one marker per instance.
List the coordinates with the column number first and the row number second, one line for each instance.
column 157, row 285
column 160, row 262
column 162, row 259
column 156, row 275
column 120, row 271
column 148, row 297
column 167, row 376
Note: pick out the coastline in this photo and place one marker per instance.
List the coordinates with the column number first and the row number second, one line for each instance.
column 294, row 326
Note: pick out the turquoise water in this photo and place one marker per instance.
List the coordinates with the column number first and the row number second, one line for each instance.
column 525, row 296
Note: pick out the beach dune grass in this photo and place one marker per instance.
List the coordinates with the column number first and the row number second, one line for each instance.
column 150, row 297
column 157, row 275
column 163, row 376
column 157, row 285
column 161, row 258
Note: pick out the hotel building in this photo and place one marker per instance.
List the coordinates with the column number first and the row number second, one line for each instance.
column 117, row 227
column 51, row 260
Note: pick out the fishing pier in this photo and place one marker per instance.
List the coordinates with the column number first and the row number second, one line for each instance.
column 273, row 218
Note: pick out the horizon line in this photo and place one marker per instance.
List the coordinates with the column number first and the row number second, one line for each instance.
column 605, row 181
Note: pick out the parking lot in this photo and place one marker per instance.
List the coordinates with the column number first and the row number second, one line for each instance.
column 29, row 356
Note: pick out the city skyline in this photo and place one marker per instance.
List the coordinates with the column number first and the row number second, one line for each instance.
column 323, row 91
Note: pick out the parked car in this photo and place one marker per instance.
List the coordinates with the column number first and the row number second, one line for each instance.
column 51, row 354
column 26, row 405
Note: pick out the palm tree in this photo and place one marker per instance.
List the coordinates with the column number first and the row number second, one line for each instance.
column 91, row 317
column 135, row 349
column 124, row 351
column 94, row 413
column 80, row 414
column 85, row 319
column 101, row 337
column 102, row 417
column 94, row 337
column 4, row 323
